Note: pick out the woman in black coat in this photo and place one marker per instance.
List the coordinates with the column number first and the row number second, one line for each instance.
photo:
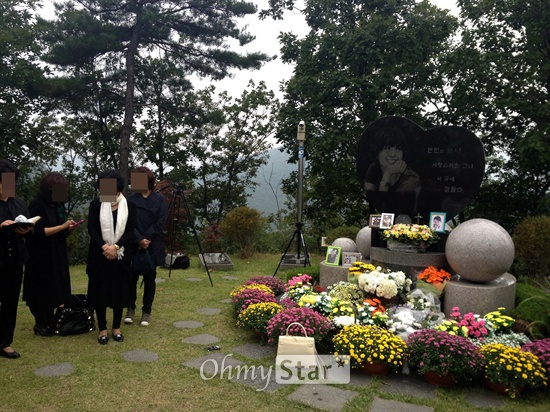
column 13, row 255
column 47, row 282
column 111, row 227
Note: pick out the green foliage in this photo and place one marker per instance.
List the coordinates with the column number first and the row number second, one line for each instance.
column 242, row 226
column 314, row 271
column 533, row 307
column 532, row 243
column 349, row 232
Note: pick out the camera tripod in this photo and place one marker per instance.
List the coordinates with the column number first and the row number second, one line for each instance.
column 175, row 201
column 301, row 244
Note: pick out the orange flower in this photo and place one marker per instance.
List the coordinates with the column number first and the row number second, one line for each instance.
column 375, row 303
column 434, row 276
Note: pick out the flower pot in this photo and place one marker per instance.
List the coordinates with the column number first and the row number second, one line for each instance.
column 375, row 368
column 397, row 246
column 436, row 379
column 261, row 336
column 502, row 389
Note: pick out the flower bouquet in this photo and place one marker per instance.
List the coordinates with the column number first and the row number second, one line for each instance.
column 433, row 280
column 403, row 321
column 452, row 327
column 298, row 286
column 256, row 316
column 444, row 354
column 512, row 368
column 320, row 302
column 474, row 323
column 347, row 292
column 419, row 235
column 316, row 325
column 384, row 283
column 275, row 284
column 370, row 344
column 357, row 269
column 372, row 313
column 249, row 296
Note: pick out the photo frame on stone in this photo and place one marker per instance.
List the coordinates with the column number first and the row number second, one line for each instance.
column 333, row 255
column 386, row 221
column 374, row 220
column 437, row 221
column 349, row 258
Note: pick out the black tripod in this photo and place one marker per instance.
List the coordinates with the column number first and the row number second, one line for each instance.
column 301, row 244
column 175, row 201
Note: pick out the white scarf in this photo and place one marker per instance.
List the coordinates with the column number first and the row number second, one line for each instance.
column 109, row 234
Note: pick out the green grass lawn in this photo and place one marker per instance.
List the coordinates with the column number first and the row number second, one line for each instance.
column 104, row 381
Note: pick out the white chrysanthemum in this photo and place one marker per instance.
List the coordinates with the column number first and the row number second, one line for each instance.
column 342, row 321
column 387, row 289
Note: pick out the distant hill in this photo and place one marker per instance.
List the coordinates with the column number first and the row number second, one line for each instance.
column 269, row 179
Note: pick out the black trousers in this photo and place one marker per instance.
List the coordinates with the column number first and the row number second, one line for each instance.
column 149, row 288
column 101, row 314
column 11, row 277
column 43, row 315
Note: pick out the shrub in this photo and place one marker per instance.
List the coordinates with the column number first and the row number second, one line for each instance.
column 532, row 242
column 243, row 226
column 535, row 310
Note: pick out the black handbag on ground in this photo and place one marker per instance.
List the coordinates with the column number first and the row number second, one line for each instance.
column 75, row 317
column 143, row 263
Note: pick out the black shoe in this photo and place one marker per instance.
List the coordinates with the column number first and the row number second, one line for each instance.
column 43, row 330
column 119, row 337
column 9, row 355
column 103, row 339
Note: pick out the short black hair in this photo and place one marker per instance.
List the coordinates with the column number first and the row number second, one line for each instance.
column 112, row 174
column 7, row 167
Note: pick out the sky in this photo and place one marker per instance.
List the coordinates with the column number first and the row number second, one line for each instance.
column 266, row 32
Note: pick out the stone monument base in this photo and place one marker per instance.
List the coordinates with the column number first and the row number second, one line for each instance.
column 329, row 275
column 217, row 261
column 409, row 263
column 480, row 298
column 292, row 261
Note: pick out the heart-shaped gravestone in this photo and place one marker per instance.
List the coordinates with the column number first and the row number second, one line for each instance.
column 406, row 169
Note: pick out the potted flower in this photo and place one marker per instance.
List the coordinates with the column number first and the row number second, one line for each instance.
column 473, row 322
column 433, row 280
column 442, row 358
column 383, row 283
column 249, row 296
column 258, row 286
column 315, row 324
column 371, row 348
column 509, row 370
column 275, row 284
column 256, row 317
column 499, row 322
column 540, row 348
column 298, row 286
column 409, row 237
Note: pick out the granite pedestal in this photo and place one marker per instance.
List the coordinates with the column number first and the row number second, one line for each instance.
column 218, row 261
column 480, row 298
column 409, row 263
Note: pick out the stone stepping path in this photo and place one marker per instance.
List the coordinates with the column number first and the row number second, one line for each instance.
column 208, row 311
column 324, row 397
column 226, row 301
column 230, row 278
column 160, row 280
column 384, row 405
column 204, row 339
column 412, row 385
column 59, row 369
column 194, row 279
column 255, row 351
column 188, row 324
column 140, row 355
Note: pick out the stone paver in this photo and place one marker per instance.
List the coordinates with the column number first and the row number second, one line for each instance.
column 255, row 351
column 160, row 280
column 326, row 398
column 188, row 324
column 140, row 355
column 209, row 311
column 230, row 278
column 194, row 279
column 204, row 339
column 412, row 385
column 58, row 369
column 384, row 405
column 226, row 301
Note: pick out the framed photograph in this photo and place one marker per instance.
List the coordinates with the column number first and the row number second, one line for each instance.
column 349, row 258
column 374, row 220
column 437, row 221
column 333, row 255
column 387, row 220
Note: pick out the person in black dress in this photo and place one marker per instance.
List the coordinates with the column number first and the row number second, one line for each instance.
column 47, row 282
column 111, row 227
column 13, row 255
column 152, row 212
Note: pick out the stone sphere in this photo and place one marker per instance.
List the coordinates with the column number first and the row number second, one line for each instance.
column 363, row 241
column 480, row 250
column 346, row 244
